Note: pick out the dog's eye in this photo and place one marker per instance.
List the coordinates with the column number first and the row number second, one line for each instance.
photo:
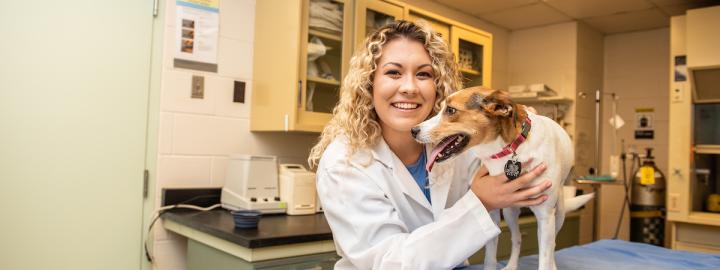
column 450, row 110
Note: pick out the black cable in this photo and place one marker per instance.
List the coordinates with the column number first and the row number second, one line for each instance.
column 149, row 256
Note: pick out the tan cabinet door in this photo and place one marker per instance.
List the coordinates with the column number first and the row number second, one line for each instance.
column 473, row 51
column 374, row 14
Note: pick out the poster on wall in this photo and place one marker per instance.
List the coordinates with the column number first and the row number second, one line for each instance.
column 680, row 68
column 644, row 127
column 196, row 37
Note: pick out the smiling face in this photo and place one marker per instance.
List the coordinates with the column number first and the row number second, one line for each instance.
column 403, row 86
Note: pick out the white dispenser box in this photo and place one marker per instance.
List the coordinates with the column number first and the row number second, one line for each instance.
column 297, row 188
column 251, row 183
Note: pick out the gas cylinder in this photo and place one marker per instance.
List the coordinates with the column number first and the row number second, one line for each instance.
column 647, row 203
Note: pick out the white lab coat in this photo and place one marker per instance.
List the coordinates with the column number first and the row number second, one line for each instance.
column 381, row 220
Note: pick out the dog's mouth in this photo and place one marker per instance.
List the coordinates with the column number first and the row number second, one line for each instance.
column 447, row 148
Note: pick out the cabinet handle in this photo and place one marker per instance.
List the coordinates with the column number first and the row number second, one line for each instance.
column 286, row 123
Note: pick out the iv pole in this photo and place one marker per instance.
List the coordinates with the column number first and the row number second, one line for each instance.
column 596, row 170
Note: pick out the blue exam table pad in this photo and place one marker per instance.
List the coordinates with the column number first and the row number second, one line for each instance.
column 620, row 255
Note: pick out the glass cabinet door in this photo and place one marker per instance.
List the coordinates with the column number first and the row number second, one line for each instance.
column 327, row 32
column 377, row 14
column 473, row 53
column 439, row 27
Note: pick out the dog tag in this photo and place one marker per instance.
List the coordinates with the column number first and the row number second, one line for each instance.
column 513, row 169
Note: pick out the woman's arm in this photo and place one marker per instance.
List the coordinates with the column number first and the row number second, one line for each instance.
column 370, row 234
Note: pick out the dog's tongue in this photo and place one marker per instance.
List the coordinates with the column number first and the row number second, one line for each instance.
column 436, row 151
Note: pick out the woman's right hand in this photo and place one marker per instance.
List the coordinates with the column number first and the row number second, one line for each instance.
column 496, row 192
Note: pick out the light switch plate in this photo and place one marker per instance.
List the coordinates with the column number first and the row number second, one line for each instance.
column 198, row 87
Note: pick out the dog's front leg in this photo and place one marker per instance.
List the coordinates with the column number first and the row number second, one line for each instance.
column 491, row 246
column 546, row 238
column 511, row 215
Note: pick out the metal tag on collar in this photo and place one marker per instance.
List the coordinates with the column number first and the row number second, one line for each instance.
column 513, row 167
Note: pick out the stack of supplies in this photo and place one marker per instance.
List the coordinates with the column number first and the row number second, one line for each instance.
column 326, row 16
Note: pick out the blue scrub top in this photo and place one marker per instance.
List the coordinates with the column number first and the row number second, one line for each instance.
column 420, row 175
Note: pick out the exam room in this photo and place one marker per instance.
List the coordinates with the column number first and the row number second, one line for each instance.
column 176, row 135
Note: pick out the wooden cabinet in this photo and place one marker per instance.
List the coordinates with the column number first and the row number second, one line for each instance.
column 300, row 59
column 298, row 70
column 438, row 26
column 373, row 14
column 473, row 51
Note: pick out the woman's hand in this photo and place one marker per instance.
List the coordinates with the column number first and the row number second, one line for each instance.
column 497, row 192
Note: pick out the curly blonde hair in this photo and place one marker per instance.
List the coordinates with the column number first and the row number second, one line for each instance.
column 354, row 116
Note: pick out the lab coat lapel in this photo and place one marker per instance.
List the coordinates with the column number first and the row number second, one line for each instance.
column 440, row 183
column 383, row 154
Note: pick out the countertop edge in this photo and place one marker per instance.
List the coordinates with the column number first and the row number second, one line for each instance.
column 250, row 254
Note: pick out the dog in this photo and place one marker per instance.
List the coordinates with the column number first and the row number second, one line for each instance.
column 507, row 137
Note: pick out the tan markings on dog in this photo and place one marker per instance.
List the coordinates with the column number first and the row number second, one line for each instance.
column 507, row 114
column 482, row 114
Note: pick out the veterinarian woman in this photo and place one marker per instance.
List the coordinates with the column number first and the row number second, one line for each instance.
column 385, row 210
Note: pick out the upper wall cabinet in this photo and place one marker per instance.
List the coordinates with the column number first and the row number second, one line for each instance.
column 303, row 49
column 473, row 52
column 438, row 26
column 373, row 14
column 472, row 47
column 298, row 70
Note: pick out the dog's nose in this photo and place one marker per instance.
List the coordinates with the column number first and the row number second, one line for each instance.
column 414, row 131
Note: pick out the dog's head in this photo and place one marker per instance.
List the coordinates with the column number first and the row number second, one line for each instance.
column 470, row 117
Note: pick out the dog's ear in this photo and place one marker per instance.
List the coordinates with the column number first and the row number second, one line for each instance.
column 498, row 104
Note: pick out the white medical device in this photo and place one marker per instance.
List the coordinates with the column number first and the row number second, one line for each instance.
column 297, row 188
column 251, row 183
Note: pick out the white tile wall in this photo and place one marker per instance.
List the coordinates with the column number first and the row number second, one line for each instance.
column 196, row 135
column 210, row 135
column 235, row 58
column 178, row 171
column 176, row 90
column 240, row 25
column 224, row 105
column 165, row 131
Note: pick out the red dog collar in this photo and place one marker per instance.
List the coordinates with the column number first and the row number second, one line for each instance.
column 510, row 148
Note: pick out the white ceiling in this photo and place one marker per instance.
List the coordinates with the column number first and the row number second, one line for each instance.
column 607, row 16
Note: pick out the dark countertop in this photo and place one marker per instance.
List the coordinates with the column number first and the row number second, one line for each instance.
column 272, row 230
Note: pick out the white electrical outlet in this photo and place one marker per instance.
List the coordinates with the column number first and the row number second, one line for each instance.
column 673, row 201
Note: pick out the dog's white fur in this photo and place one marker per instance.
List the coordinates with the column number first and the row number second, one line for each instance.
column 548, row 143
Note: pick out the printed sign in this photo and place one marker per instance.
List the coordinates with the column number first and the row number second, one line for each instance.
column 197, row 30
column 644, row 128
